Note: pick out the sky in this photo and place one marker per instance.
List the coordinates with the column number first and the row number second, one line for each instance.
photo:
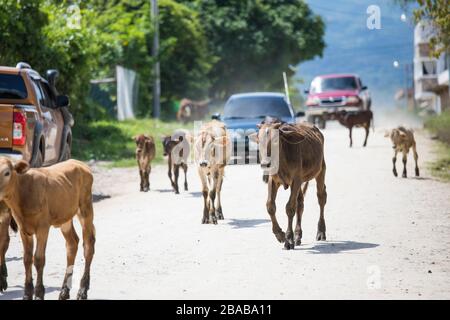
column 353, row 48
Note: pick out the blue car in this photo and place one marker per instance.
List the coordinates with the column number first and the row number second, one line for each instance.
column 243, row 112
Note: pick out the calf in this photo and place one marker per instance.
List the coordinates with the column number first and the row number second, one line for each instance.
column 44, row 197
column 212, row 153
column 292, row 155
column 402, row 140
column 177, row 148
column 6, row 221
column 352, row 119
column 145, row 153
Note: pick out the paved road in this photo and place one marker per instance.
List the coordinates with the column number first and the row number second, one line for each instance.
column 387, row 237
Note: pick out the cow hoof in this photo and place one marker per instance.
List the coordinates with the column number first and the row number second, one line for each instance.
column 38, row 298
column 82, row 294
column 213, row 219
column 205, row 220
column 298, row 242
column 177, row 192
column 417, row 172
column 219, row 214
column 280, row 236
column 64, row 294
column 395, row 173
column 321, row 236
column 27, row 297
column 39, row 293
column 3, row 284
column 288, row 245
column 404, row 175
column 186, row 188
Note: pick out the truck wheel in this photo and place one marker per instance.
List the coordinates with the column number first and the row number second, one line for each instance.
column 39, row 159
column 67, row 153
column 322, row 123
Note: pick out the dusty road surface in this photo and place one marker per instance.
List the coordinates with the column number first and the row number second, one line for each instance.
column 387, row 237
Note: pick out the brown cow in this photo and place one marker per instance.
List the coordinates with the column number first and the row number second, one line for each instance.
column 6, row 221
column 177, row 148
column 402, row 140
column 293, row 154
column 44, row 197
column 145, row 153
column 212, row 153
column 192, row 110
column 361, row 118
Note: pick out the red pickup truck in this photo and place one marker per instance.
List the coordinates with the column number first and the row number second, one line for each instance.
column 328, row 93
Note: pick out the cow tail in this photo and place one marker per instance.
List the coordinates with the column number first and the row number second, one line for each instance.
column 13, row 225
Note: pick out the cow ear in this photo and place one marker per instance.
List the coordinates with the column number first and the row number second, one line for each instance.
column 277, row 125
column 21, row 167
column 253, row 137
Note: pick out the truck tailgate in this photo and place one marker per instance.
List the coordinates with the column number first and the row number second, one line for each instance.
column 6, row 123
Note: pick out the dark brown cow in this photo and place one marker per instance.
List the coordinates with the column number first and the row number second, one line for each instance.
column 192, row 110
column 403, row 140
column 177, row 148
column 352, row 119
column 293, row 154
column 145, row 153
column 6, row 221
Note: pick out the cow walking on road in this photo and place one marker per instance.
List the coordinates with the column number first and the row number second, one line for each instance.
column 403, row 140
column 45, row 197
column 176, row 148
column 212, row 153
column 295, row 155
column 362, row 118
column 145, row 153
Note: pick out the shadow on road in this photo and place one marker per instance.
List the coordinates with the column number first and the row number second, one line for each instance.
column 164, row 190
column 338, row 247
column 196, row 194
column 13, row 259
column 99, row 197
column 246, row 223
column 11, row 294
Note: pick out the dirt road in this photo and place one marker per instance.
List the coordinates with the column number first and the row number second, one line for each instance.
column 387, row 237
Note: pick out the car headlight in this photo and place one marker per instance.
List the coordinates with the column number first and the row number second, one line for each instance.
column 353, row 100
column 313, row 101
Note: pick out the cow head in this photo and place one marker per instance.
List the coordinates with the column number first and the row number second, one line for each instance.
column 267, row 138
column 7, row 172
column 141, row 141
column 212, row 149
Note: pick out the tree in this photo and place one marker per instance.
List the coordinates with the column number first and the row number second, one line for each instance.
column 437, row 11
column 256, row 40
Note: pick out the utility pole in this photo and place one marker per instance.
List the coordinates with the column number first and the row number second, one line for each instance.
column 155, row 53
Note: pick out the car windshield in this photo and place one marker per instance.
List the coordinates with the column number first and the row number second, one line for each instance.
column 256, row 107
column 12, row 86
column 330, row 84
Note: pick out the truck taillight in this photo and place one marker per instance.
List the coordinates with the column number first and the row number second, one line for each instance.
column 19, row 128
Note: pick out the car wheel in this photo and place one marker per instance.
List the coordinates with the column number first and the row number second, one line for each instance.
column 39, row 161
column 322, row 123
column 67, row 152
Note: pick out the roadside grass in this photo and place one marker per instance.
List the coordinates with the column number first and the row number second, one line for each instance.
column 440, row 127
column 113, row 141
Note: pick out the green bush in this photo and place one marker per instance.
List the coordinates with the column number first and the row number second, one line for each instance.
column 440, row 125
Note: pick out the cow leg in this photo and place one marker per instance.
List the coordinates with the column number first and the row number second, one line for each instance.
column 272, row 208
column 169, row 173
column 416, row 157
column 291, row 208
column 86, row 218
column 39, row 261
column 350, row 136
column 28, row 244
column 72, row 240
column 322, row 198
column 176, row 172
column 219, row 212
column 367, row 128
column 394, row 160
column 185, row 168
column 202, row 175
column 212, row 198
column 147, row 178
column 298, row 227
column 404, row 159
column 141, row 174
column 5, row 219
